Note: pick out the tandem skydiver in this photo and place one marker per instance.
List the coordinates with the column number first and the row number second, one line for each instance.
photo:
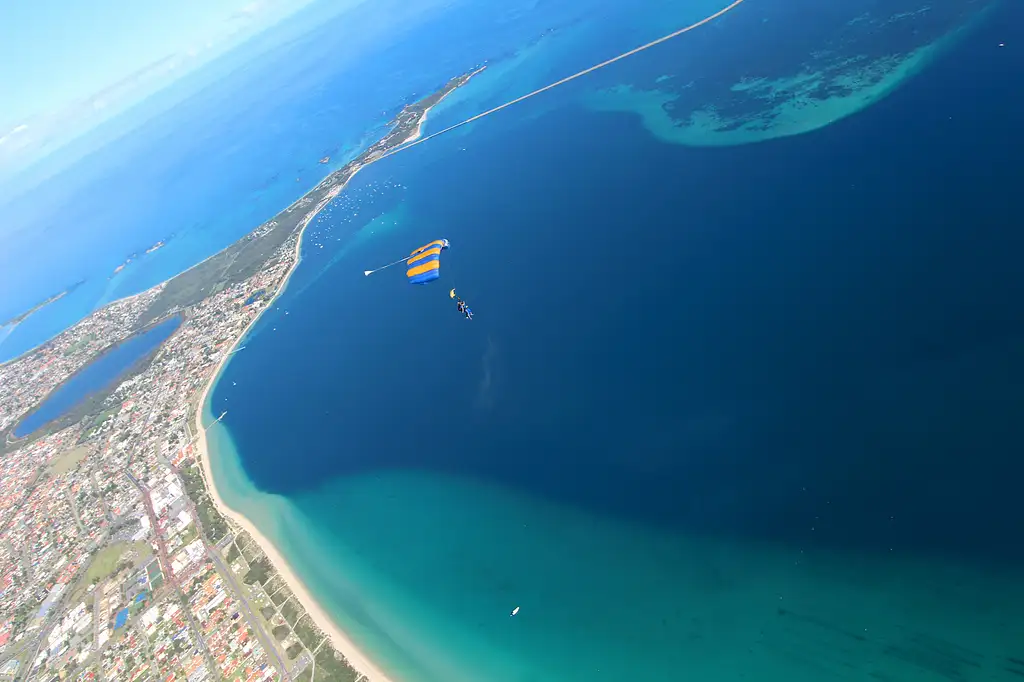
column 462, row 306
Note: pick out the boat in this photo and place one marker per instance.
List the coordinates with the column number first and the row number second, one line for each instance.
column 514, row 611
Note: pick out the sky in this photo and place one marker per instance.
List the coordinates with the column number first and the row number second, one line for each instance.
column 68, row 65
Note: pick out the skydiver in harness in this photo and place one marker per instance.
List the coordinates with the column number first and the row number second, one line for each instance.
column 461, row 305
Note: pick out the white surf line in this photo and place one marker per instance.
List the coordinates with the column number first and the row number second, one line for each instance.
column 565, row 80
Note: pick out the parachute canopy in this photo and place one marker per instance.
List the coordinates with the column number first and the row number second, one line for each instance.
column 424, row 264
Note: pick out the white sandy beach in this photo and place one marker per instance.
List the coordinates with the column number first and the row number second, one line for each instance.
column 418, row 132
column 359, row 661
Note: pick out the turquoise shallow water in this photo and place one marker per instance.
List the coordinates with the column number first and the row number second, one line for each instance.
column 425, row 588
column 729, row 414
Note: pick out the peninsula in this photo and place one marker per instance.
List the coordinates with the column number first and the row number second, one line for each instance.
column 247, row 256
column 145, row 541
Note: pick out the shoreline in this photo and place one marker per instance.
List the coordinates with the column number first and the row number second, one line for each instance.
column 356, row 659
column 418, row 132
column 183, row 291
column 416, row 135
column 39, row 346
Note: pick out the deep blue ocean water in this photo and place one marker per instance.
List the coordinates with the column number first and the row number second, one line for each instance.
column 736, row 413
column 724, row 413
column 96, row 375
column 671, row 277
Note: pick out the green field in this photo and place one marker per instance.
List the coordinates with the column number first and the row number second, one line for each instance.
column 67, row 461
column 104, row 563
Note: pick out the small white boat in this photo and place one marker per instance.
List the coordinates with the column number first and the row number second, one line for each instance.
column 514, row 611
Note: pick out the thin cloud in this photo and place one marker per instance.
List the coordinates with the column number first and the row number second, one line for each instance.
column 13, row 131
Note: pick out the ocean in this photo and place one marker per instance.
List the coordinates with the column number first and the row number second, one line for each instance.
column 245, row 144
column 725, row 411
column 739, row 399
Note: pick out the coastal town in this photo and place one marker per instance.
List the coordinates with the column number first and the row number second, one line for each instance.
column 115, row 563
column 116, row 560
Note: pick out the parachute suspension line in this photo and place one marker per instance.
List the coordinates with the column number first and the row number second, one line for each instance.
column 452, row 268
column 584, row 72
column 367, row 273
column 441, row 243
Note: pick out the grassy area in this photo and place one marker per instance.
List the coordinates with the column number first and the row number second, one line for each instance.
column 259, row 572
column 105, row 563
column 189, row 535
column 330, row 667
column 273, row 585
column 78, row 345
column 213, row 523
column 249, row 551
column 68, row 460
column 93, row 424
column 309, row 635
column 290, row 612
column 279, row 597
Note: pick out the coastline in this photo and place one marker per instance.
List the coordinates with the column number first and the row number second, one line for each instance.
column 38, row 346
column 341, row 642
column 356, row 659
column 417, row 133
column 370, row 155
column 267, row 247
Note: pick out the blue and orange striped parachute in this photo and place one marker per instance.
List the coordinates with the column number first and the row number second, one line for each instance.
column 424, row 264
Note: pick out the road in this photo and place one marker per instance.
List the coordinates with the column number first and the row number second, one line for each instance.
column 266, row 640
column 51, row 619
column 172, row 580
column 29, row 489
column 97, row 596
column 70, row 497
column 103, row 499
column 264, row 637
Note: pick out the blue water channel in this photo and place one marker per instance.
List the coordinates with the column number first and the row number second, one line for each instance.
column 97, row 375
